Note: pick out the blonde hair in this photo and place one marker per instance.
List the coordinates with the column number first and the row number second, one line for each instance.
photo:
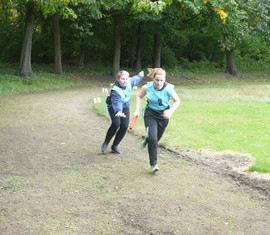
column 156, row 71
column 121, row 73
column 117, row 76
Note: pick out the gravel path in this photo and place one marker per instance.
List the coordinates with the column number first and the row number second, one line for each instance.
column 54, row 180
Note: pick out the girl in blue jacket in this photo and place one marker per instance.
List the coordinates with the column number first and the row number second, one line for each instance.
column 118, row 103
column 158, row 110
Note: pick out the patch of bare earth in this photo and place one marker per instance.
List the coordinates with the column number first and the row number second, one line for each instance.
column 54, row 179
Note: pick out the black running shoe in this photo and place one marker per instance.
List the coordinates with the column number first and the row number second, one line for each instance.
column 115, row 149
column 104, row 146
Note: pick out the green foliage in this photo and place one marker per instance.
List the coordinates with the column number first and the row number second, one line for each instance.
column 248, row 65
column 190, row 31
column 259, row 18
column 169, row 58
column 254, row 48
column 253, row 55
column 136, row 6
column 196, row 67
column 10, row 35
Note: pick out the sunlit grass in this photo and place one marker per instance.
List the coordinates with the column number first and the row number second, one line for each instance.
column 240, row 127
column 233, row 118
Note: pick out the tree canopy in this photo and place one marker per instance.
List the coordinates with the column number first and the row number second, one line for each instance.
column 133, row 33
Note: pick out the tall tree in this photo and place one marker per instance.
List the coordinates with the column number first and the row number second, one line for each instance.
column 117, row 44
column 137, row 62
column 57, row 9
column 157, row 50
column 57, row 45
column 48, row 8
column 25, row 68
column 237, row 20
column 232, row 23
column 66, row 10
column 82, row 27
column 121, row 8
column 27, row 10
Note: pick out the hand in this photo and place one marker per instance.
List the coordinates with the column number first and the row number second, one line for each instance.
column 136, row 113
column 141, row 73
column 167, row 114
column 120, row 114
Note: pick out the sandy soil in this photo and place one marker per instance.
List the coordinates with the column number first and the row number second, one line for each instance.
column 54, row 179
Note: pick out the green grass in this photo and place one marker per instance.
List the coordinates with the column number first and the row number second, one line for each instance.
column 220, row 117
column 236, row 126
column 43, row 79
column 231, row 117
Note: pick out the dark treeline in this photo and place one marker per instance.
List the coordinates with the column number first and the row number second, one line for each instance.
column 121, row 37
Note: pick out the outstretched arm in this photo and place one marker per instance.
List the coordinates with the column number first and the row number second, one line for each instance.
column 135, row 80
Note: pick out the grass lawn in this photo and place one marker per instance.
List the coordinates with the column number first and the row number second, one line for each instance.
column 43, row 79
column 236, row 126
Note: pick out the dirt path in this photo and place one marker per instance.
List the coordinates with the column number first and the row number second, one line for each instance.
column 54, row 180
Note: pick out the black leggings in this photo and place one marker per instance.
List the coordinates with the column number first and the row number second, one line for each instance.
column 155, row 129
column 118, row 127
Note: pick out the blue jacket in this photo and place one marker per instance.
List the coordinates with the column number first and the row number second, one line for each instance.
column 119, row 98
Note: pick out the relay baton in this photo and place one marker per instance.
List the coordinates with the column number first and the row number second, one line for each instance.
column 133, row 122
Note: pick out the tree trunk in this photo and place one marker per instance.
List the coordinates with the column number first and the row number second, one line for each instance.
column 231, row 67
column 157, row 51
column 57, row 45
column 117, row 45
column 25, row 69
column 82, row 56
column 137, row 63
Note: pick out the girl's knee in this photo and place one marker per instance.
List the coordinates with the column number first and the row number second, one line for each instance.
column 152, row 140
column 115, row 125
column 123, row 127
